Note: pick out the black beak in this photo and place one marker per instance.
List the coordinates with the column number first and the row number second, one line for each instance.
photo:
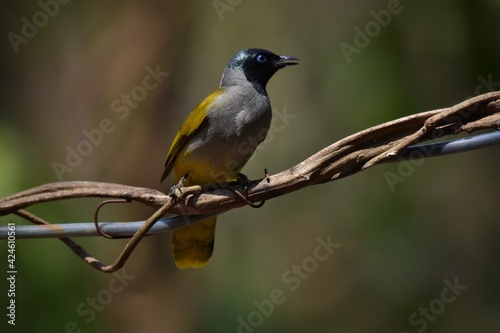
column 287, row 61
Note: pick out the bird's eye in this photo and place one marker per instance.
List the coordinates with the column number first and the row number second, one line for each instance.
column 261, row 58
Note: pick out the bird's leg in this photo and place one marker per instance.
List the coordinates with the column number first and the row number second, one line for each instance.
column 176, row 190
column 179, row 190
column 244, row 181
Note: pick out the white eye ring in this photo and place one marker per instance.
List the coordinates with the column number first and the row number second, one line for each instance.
column 261, row 58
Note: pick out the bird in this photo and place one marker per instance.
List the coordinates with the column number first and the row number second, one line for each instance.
column 218, row 138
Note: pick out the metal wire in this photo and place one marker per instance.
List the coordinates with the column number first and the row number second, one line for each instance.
column 118, row 229
column 452, row 146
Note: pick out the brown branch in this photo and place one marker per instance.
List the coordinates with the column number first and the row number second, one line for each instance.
column 79, row 189
column 345, row 157
column 348, row 156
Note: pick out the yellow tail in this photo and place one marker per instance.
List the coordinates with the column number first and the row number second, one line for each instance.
column 193, row 245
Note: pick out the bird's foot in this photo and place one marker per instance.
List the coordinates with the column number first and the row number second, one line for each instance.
column 243, row 181
column 179, row 190
column 176, row 190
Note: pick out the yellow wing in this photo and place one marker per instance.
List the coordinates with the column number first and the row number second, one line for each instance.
column 196, row 120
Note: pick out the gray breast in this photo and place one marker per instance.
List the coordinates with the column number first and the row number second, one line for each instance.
column 238, row 122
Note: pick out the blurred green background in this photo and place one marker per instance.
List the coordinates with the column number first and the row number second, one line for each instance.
column 398, row 245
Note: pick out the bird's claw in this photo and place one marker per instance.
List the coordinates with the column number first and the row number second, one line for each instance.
column 176, row 190
column 244, row 181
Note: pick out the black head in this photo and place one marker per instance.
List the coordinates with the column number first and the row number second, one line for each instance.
column 259, row 65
